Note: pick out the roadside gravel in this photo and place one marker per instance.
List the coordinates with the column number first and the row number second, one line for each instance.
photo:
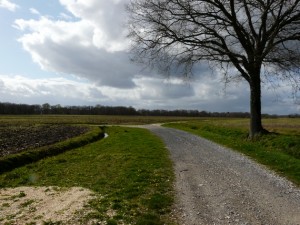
column 216, row 185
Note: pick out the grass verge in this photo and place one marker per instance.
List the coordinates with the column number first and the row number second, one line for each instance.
column 130, row 171
column 280, row 152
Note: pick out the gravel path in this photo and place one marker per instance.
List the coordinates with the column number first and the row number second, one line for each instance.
column 216, row 185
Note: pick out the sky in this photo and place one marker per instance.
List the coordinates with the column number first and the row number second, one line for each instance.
column 75, row 52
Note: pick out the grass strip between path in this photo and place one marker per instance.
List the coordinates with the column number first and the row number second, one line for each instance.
column 279, row 152
column 130, row 172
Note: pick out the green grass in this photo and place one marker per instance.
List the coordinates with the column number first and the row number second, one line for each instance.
column 130, row 172
column 279, row 151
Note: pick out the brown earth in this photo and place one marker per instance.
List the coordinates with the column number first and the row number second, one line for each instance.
column 15, row 139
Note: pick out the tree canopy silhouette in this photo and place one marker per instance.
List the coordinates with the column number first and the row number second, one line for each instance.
column 258, row 39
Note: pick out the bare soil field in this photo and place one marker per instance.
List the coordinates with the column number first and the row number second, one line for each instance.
column 15, row 139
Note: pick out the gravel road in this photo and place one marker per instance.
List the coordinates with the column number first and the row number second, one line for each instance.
column 216, row 185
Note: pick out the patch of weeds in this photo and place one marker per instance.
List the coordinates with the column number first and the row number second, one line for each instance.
column 32, row 209
column 149, row 219
column 27, row 203
column 12, row 176
column 96, row 215
column 118, row 217
column 47, row 190
column 61, row 161
column 5, row 205
column 9, row 223
column 31, row 223
column 117, row 205
column 193, row 127
column 159, row 202
column 29, row 166
column 20, row 195
column 112, row 222
column 52, row 223
column 11, row 216
column 38, row 217
column 57, row 189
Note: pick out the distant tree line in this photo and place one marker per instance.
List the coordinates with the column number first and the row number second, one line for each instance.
column 47, row 109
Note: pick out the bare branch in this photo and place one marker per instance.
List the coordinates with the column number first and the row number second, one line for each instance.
column 245, row 34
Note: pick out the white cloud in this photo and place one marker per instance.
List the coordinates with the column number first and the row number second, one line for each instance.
column 65, row 16
column 8, row 5
column 34, row 11
column 93, row 47
column 106, row 16
column 53, row 90
column 148, row 92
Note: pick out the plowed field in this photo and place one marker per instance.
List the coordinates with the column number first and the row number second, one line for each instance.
column 15, row 139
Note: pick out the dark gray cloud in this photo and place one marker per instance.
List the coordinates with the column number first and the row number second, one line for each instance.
column 97, row 65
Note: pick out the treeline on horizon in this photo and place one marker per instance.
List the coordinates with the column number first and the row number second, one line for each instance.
column 47, row 109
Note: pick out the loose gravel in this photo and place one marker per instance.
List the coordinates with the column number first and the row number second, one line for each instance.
column 216, row 185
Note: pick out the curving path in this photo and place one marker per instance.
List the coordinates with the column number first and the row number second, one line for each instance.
column 216, row 185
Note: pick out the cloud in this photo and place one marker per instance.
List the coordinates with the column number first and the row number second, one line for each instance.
column 34, row 11
column 88, row 40
column 107, row 19
column 148, row 92
column 64, row 16
column 8, row 5
column 93, row 47
column 53, row 90
column 162, row 89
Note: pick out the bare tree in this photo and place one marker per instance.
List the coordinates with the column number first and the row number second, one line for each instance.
column 259, row 39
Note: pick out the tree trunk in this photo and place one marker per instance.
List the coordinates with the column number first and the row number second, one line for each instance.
column 255, row 108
